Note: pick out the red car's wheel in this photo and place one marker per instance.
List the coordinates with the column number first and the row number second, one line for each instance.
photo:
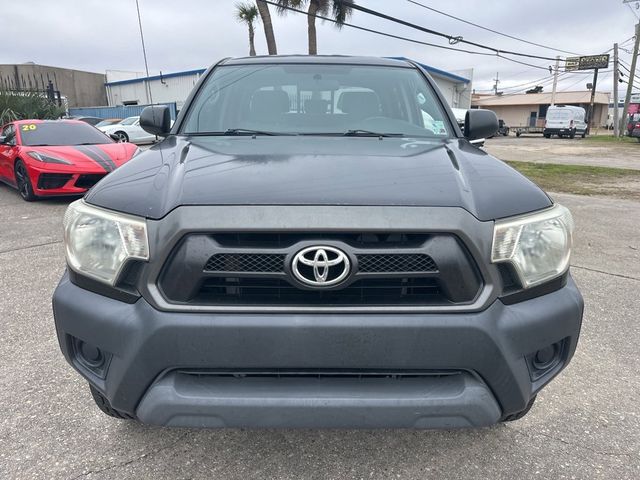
column 24, row 182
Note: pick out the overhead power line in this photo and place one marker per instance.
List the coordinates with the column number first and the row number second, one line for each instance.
column 452, row 38
column 490, row 29
column 400, row 37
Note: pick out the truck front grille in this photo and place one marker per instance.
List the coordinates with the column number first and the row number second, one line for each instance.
column 247, row 269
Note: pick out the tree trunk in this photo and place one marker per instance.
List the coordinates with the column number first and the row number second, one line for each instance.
column 265, row 15
column 252, row 47
column 311, row 22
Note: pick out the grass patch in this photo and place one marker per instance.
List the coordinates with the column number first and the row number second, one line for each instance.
column 582, row 179
column 611, row 139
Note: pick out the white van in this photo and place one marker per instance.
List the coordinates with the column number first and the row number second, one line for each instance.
column 564, row 120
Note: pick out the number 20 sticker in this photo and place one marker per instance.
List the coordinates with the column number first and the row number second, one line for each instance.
column 29, row 127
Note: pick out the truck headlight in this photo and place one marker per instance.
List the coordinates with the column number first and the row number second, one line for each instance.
column 537, row 245
column 98, row 242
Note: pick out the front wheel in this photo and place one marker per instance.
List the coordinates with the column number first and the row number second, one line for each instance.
column 122, row 136
column 546, row 135
column 24, row 182
column 584, row 134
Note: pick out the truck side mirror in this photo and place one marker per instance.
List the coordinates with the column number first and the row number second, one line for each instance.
column 156, row 120
column 480, row 124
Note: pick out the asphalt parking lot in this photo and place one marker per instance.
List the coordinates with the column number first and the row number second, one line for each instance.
column 586, row 424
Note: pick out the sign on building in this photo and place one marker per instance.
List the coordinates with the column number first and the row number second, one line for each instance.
column 589, row 62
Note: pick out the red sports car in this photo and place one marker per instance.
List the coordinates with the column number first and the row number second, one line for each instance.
column 57, row 157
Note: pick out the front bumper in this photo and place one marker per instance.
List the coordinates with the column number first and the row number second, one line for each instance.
column 37, row 170
column 317, row 370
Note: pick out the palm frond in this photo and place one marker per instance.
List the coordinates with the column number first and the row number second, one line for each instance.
column 246, row 12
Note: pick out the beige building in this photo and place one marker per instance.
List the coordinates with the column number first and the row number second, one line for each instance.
column 530, row 109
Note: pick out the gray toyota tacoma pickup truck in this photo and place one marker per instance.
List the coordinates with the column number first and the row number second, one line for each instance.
column 316, row 244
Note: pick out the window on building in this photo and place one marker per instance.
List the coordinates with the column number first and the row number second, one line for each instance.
column 542, row 111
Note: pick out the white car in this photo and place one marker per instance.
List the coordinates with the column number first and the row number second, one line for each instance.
column 129, row 130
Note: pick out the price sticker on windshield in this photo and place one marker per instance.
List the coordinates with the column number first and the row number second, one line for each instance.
column 29, row 127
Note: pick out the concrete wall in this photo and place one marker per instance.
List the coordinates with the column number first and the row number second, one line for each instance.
column 80, row 88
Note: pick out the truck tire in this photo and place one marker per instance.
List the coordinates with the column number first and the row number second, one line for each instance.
column 547, row 135
column 518, row 415
column 104, row 405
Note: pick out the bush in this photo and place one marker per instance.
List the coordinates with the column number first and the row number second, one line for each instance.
column 26, row 105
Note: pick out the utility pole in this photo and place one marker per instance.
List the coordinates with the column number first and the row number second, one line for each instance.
column 627, row 99
column 495, row 86
column 593, row 99
column 616, row 76
column 555, row 80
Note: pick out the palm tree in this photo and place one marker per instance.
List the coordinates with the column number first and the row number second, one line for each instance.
column 263, row 8
column 340, row 11
column 248, row 13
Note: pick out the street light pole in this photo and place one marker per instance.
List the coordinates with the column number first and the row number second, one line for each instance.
column 144, row 53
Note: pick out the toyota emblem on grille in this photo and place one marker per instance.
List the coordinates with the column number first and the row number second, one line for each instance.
column 321, row 266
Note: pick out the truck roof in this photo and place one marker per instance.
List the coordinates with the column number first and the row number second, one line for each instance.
column 318, row 59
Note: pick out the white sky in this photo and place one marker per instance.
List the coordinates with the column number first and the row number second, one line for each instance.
column 99, row 35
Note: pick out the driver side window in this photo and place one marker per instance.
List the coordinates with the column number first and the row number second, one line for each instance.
column 9, row 132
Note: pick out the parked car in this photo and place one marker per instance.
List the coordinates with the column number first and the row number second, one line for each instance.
column 633, row 126
column 90, row 120
column 57, row 157
column 107, row 122
column 129, row 130
column 270, row 264
column 565, row 120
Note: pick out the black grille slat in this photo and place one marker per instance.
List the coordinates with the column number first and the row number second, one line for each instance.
column 254, row 291
column 396, row 263
column 245, row 262
column 356, row 240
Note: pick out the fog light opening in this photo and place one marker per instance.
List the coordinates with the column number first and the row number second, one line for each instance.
column 546, row 360
column 546, row 357
column 90, row 357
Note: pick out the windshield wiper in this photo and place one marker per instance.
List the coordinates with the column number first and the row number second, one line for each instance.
column 358, row 132
column 248, row 131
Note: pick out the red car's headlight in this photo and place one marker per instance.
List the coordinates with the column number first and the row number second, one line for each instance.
column 43, row 157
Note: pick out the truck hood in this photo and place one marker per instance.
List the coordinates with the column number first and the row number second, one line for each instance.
column 304, row 170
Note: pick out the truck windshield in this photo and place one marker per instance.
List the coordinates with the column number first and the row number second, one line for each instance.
column 317, row 100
